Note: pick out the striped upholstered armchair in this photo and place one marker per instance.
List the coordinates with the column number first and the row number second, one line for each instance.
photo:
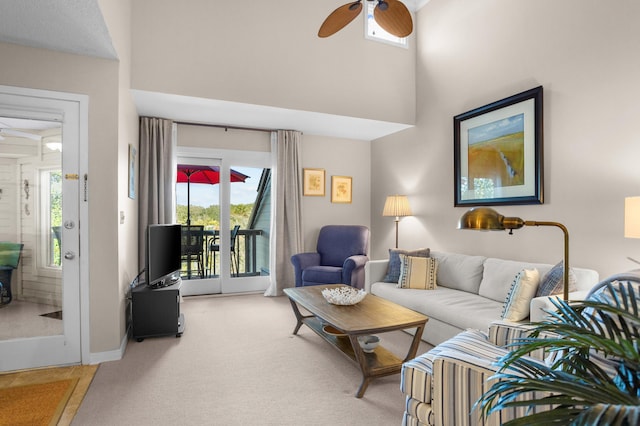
column 442, row 385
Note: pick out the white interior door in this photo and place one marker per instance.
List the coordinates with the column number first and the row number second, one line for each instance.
column 41, row 326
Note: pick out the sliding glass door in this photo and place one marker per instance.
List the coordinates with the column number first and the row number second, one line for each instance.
column 198, row 211
column 225, row 198
column 249, row 222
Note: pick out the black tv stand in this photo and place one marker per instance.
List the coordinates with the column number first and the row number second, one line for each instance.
column 167, row 282
column 156, row 311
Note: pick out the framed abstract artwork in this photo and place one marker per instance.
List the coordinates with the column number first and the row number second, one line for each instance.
column 498, row 152
column 313, row 182
column 340, row 189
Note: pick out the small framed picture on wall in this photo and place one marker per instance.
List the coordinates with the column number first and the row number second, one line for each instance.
column 313, row 182
column 341, row 189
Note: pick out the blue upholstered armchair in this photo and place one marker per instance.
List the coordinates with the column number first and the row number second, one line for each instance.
column 342, row 252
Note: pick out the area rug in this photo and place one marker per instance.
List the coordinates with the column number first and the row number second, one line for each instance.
column 35, row 404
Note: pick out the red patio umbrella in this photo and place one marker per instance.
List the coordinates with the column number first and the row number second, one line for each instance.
column 210, row 175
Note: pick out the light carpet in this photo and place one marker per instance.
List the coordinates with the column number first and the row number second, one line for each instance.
column 237, row 363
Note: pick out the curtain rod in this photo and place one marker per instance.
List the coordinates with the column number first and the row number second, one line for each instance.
column 220, row 126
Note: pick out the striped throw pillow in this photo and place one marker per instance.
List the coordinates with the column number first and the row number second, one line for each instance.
column 417, row 272
column 393, row 270
column 523, row 289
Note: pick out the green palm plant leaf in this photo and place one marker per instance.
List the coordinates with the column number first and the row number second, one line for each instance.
column 592, row 370
column 614, row 415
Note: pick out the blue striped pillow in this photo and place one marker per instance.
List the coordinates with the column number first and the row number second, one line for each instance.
column 553, row 281
column 393, row 270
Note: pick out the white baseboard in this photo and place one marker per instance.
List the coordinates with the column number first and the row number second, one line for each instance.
column 115, row 355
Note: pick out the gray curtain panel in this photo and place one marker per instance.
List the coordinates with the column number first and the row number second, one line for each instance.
column 157, row 177
column 286, row 223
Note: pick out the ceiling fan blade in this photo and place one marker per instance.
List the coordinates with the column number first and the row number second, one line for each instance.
column 339, row 18
column 394, row 17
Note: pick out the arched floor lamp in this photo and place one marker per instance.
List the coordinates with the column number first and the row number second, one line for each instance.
column 487, row 219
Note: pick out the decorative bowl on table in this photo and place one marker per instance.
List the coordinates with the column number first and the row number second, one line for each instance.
column 343, row 295
column 368, row 343
column 329, row 329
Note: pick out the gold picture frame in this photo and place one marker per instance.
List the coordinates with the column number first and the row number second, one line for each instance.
column 341, row 189
column 313, row 182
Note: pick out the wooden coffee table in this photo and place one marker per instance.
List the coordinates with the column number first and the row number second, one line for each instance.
column 372, row 315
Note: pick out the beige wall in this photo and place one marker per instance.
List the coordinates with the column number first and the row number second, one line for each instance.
column 268, row 53
column 97, row 78
column 117, row 16
column 474, row 53
column 220, row 138
column 339, row 157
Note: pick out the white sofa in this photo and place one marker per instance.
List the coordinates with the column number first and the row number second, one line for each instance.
column 470, row 293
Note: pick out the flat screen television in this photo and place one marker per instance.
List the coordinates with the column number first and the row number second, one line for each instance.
column 163, row 255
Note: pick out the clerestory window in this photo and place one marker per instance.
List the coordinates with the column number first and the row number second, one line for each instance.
column 373, row 31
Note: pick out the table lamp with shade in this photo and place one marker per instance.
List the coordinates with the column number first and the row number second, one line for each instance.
column 632, row 217
column 487, row 219
column 398, row 206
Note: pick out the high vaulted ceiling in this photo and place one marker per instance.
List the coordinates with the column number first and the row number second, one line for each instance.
column 73, row 26
column 78, row 27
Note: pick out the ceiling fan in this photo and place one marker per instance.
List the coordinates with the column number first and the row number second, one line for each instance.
column 392, row 15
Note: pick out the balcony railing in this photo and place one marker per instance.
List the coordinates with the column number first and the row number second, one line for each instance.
column 244, row 256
